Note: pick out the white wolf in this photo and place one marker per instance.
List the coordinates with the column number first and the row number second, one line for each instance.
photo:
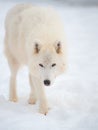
column 35, row 37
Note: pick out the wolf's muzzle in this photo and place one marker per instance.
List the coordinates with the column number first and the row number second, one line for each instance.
column 47, row 82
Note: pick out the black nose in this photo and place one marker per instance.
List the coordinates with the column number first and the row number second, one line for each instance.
column 47, row 82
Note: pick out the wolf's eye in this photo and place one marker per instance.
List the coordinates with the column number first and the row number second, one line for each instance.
column 53, row 65
column 41, row 65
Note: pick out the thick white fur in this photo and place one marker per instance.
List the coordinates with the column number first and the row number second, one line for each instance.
column 32, row 37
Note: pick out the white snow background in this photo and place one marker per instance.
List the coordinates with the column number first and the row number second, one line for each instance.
column 73, row 98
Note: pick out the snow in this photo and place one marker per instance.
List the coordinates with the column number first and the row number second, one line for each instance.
column 73, row 99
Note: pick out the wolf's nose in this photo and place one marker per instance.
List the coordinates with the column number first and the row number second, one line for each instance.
column 47, row 82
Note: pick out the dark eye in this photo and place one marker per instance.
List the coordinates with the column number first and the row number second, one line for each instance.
column 53, row 65
column 41, row 65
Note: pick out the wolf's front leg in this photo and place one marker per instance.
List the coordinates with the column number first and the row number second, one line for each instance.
column 43, row 107
column 33, row 93
column 14, row 66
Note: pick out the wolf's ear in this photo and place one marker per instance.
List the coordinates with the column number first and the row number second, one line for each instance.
column 58, row 47
column 37, row 47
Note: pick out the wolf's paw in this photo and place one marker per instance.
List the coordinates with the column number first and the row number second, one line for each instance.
column 13, row 99
column 31, row 101
column 43, row 110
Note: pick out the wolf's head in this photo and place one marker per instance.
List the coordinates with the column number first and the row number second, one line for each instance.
column 47, row 62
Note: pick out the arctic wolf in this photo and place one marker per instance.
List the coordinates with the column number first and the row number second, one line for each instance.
column 35, row 37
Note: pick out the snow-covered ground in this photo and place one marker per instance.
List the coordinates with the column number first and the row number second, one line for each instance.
column 73, row 98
